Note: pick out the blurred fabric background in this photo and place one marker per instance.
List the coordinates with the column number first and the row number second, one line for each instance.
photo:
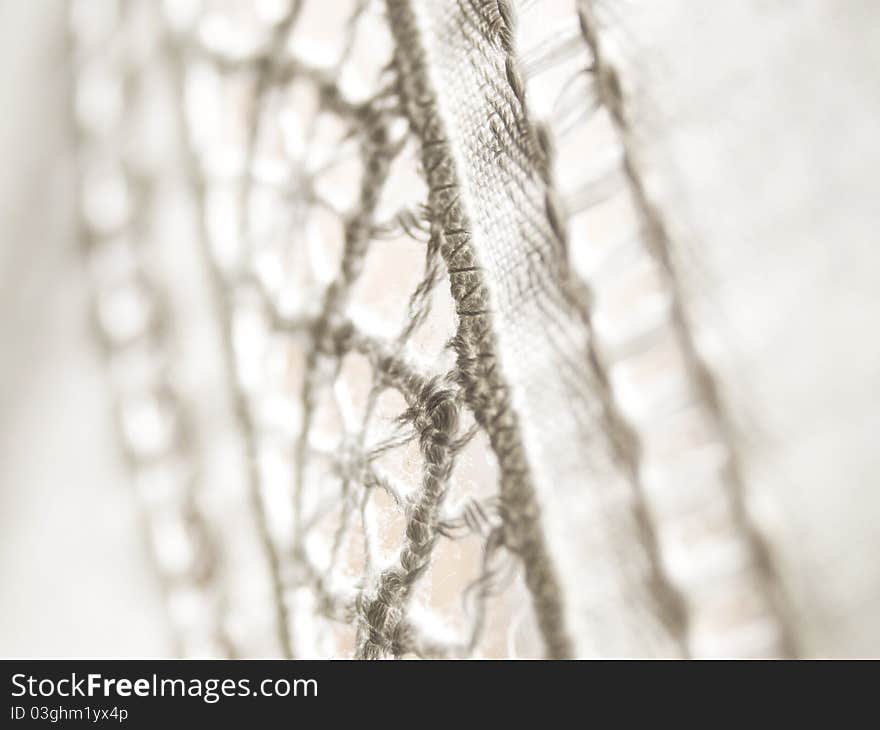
column 73, row 568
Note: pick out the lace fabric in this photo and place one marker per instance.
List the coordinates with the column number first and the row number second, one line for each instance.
column 401, row 361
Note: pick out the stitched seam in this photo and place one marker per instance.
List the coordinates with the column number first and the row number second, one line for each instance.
column 484, row 390
column 611, row 94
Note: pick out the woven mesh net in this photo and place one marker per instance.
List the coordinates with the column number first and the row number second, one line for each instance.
column 400, row 362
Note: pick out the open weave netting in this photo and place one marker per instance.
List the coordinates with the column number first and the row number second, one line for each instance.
column 396, row 336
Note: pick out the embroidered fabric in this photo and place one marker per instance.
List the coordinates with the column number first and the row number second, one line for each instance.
column 401, row 361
